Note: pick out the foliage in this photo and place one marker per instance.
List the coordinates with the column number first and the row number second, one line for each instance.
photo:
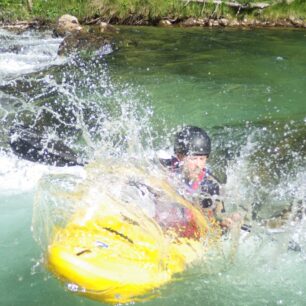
column 52, row 9
column 13, row 9
column 282, row 9
column 151, row 11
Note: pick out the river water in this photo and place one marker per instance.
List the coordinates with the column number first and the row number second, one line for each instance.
column 245, row 87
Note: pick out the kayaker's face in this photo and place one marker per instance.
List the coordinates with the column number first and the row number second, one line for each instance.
column 193, row 165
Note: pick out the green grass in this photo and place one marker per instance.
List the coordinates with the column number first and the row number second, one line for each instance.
column 11, row 10
column 133, row 11
column 52, row 9
column 282, row 10
column 126, row 10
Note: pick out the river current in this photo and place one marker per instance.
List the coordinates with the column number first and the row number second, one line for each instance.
column 246, row 87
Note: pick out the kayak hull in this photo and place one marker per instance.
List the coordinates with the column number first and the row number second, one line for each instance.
column 114, row 261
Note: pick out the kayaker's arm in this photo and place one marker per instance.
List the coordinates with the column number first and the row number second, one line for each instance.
column 28, row 144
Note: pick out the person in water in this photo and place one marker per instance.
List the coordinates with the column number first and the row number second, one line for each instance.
column 192, row 147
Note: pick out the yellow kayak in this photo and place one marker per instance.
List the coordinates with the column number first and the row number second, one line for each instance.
column 109, row 254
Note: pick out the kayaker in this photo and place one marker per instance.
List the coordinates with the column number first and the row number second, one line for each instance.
column 192, row 147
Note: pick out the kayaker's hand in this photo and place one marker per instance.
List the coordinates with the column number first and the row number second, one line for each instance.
column 229, row 221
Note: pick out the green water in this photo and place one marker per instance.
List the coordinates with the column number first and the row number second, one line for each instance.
column 217, row 77
column 236, row 83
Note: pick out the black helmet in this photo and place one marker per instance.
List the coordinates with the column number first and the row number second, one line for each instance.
column 192, row 140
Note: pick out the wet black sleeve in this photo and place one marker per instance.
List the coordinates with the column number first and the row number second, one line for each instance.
column 210, row 187
column 166, row 162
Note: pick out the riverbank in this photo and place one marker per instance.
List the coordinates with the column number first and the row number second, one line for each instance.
column 270, row 13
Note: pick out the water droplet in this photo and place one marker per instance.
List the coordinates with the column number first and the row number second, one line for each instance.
column 72, row 287
column 101, row 244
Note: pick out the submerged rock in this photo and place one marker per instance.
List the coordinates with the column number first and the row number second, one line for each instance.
column 223, row 22
column 299, row 23
column 107, row 28
column 213, row 23
column 245, row 22
column 234, row 23
column 67, row 24
column 76, row 38
column 84, row 41
column 191, row 22
column 165, row 23
column 19, row 27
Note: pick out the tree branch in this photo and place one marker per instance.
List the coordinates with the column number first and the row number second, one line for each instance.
column 258, row 5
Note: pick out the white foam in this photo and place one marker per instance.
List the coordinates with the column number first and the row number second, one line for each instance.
column 19, row 176
column 27, row 53
column 12, row 65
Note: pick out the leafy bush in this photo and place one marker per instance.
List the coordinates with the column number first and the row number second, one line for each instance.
column 131, row 11
column 12, row 10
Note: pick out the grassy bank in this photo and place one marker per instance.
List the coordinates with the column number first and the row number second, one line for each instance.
column 147, row 11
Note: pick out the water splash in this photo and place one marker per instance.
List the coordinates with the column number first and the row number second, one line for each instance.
column 123, row 214
column 26, row 52
column 266, row 182
column 78, row 103
column 83, row 103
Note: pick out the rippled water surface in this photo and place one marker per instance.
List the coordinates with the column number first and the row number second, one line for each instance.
column 246, row 87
